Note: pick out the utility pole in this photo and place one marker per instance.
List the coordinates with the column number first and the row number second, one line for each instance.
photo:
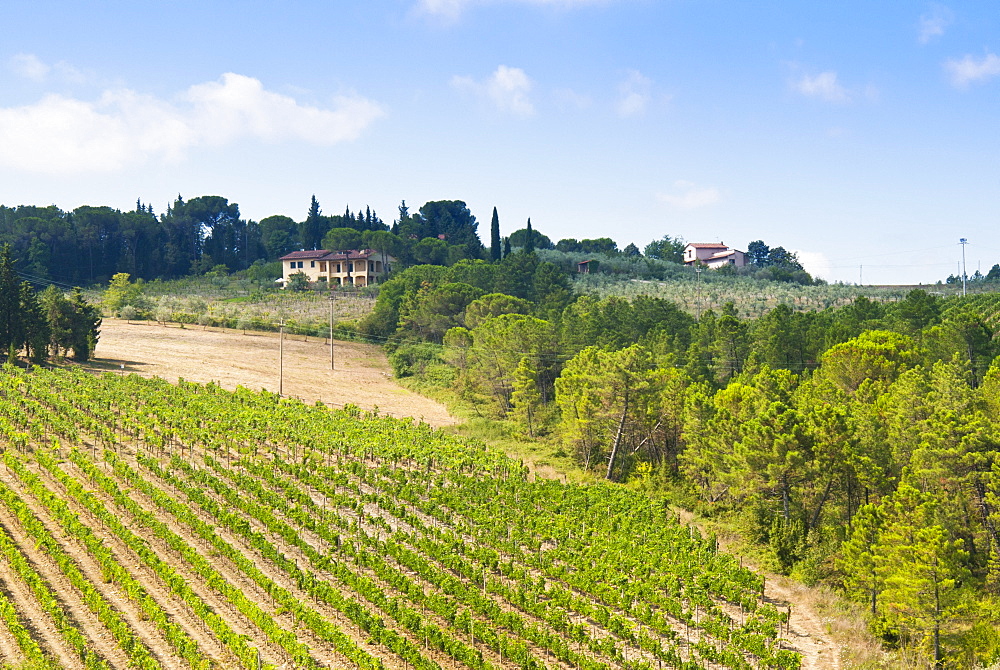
column 281, row 357
column 861, row 275
column 698, row 308
column 963, row 242
column 331, row 296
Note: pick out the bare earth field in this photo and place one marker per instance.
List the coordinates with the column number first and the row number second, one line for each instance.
column 231, row 358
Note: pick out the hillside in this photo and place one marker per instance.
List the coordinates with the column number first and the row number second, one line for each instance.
column 152, row 525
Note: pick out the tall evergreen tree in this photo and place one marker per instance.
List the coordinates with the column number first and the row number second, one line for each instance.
column 312, row 227
column 858, row 562
column 529, row 239
column 85, row 326
column 36, row 326
column 10, row 303
column 923, row 567
column 495, row 249
column 59, row 315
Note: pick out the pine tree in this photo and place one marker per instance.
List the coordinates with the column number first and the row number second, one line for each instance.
column 525, row 398
column 922, row 567
column 857, row 560
column 495, row 245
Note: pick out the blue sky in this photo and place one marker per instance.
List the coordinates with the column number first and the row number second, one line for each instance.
column 862, row 135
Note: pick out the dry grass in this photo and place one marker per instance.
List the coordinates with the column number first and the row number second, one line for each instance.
column 232, row 358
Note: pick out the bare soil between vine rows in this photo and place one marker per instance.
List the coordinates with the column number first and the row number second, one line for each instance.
column 362, row 377
column 232, row 358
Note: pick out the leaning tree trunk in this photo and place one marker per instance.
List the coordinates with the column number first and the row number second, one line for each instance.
column 618, row 440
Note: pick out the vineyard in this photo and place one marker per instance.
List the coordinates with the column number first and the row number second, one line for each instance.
column 144, row 524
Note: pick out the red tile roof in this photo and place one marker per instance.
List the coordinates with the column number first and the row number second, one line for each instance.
column 304, row 255
column 327, row 255
column 349, row 255
column 723, row 254
column 707, row 245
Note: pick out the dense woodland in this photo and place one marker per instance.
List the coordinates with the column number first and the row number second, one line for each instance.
column 858, row 445
column 89, row 245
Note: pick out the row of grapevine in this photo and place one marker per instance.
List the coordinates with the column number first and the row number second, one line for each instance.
column 366, row 540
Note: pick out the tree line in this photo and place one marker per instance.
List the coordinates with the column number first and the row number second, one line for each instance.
column 42, row 324
column 89, row 245
column 857, row 445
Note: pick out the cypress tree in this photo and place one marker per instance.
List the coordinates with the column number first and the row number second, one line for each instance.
column 312, row 227
column 495, row 249
column 36, row 326
column 529, row 239
column 10, row 303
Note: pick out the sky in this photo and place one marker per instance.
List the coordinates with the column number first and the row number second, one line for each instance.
column 863, row 136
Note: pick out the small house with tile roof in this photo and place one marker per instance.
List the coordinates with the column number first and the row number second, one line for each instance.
column 713, row 255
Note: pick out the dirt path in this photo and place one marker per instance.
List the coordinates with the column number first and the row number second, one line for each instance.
column 806, row 633
column 231, row 358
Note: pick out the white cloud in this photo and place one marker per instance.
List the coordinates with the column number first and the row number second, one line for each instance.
column 238, row 106
column 933, row 23
column 452, row 9
column 65, row 135
column 633, row 94
column 28, row 66
column 507, row 89
column 823, row 86
column 688, row 195
column 970, row 70
column 447, row 9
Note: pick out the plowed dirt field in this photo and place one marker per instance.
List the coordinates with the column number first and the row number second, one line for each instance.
column 233, row 358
